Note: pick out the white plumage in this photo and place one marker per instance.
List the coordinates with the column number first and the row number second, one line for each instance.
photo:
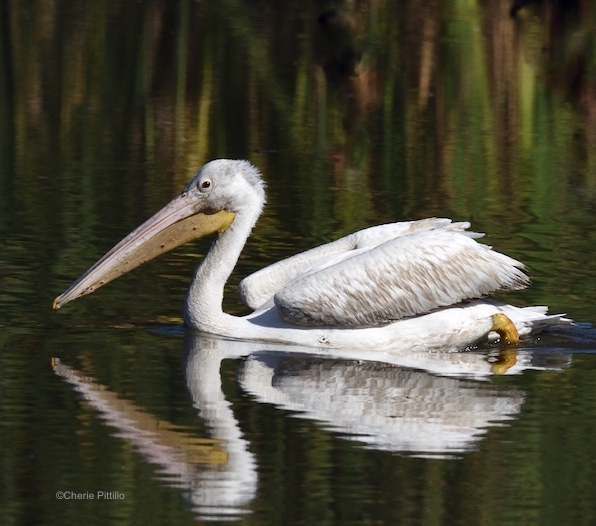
column 396, row 286
column 409, row 275
column 263, row 284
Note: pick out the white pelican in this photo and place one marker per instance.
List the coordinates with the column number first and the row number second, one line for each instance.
column 390, row 287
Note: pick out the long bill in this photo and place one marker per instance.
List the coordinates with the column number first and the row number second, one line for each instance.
column 180, row 221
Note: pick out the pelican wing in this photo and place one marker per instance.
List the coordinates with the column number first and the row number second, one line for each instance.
column 260, row 286
column 406, row 276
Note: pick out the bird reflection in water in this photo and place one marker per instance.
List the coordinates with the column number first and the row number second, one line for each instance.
column 427, row 404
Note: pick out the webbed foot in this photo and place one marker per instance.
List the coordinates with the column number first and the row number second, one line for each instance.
column 505, row 328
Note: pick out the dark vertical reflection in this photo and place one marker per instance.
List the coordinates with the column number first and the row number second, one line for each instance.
column 6, row 119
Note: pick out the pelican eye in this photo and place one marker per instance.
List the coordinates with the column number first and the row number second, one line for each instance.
column 204, row 185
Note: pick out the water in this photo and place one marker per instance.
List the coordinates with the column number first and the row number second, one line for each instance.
column 357, row 113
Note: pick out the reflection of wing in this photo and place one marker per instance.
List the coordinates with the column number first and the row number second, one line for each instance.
column 257, row 288
column 405, row 276
column 383, row 406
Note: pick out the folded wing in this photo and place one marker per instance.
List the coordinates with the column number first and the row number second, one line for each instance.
column 260, row 286
column 408, row 275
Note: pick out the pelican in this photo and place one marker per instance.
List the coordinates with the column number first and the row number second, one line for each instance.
column 408, row 285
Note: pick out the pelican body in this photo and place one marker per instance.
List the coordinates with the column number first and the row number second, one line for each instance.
column 414, row 285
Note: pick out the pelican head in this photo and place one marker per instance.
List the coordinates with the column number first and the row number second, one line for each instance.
column 219, row 191
column 226, row 184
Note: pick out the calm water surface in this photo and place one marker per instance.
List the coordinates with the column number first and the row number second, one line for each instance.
column 358, row 113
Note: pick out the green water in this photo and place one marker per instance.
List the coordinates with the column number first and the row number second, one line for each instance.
column 357, row 113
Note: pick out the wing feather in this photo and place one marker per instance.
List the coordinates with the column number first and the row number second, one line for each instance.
column 260, row 286
column 402, row 277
